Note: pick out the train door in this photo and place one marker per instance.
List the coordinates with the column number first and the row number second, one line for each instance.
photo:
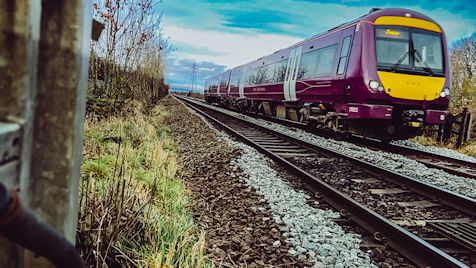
column 291, row 74
column 342, row 62
column 229, row 86
column 241, row 89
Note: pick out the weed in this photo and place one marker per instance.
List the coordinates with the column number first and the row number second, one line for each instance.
column 133, row 205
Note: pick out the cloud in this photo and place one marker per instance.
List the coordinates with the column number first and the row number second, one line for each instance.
column 180, row 72
column 191, row 48
column 454, row 25
column 229, row 49
column 262, row 19
column 228, row 33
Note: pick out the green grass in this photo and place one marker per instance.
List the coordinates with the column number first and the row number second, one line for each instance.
column 134, row 207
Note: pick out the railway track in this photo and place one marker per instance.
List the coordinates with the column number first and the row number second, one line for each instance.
column 292, row 154
column 450, row 165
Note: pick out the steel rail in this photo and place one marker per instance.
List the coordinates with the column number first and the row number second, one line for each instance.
column 411, row 246
column 405, row 150
column 452, row 199
column 465, row 168
column 384, row 146
column 381, row 145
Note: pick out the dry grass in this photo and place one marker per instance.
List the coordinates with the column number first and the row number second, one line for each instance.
column 468, row 148
column 133, row 205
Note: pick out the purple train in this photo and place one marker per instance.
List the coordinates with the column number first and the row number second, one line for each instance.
column 383, row 75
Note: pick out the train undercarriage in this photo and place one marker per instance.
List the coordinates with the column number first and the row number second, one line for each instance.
column 402, row 123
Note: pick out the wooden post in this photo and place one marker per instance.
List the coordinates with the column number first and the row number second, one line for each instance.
column 467, row 127
column 462, row 127
column 439, row 136
column 448, row 127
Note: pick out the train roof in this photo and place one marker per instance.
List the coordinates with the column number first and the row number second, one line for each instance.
column 373, row 14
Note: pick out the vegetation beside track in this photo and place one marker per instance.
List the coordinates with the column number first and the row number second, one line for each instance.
column 133, row 205
column 463, row 91
column 468, row 148
column 463, row 75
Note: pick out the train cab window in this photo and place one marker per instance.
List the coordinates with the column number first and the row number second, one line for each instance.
column 428, row 51
column 317, row 63
column 214, row 86
column 343, row 55
column 392, row 46
column 409, row 50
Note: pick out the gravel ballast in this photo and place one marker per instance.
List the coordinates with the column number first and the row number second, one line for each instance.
column 394, row 162
column 312, row 232
column 236, row 234
column 436, row 150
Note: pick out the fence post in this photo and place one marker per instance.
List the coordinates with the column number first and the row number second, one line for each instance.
column 448, row 127
column 468, row 126
column 439, row 136
column 462, row 128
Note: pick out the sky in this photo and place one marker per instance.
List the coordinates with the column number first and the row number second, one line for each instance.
column 216, row 35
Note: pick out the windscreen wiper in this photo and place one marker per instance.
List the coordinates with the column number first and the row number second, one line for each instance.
column 394, row 67
column 427, row 67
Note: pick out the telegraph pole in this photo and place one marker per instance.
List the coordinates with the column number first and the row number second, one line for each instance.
column 194, row 71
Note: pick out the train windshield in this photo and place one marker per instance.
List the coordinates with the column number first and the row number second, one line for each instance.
column 409, row 50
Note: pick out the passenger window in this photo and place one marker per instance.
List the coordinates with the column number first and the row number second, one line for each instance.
column 235, row 79
column 224, row 80
column 251, row 77
column 317, row 63
column 343, row 55
column 280, row 71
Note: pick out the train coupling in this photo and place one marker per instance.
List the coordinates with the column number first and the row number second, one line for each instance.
column 412, row 118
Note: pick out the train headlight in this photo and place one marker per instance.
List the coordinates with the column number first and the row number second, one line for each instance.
column 380, row 88
column 374, row 84
column 445, row 92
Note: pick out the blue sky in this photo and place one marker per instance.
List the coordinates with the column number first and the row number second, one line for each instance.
column 219, row 34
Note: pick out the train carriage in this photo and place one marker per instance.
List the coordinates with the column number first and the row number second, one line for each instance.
column 383, row 75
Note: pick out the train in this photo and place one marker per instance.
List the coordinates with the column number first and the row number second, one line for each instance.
column 383, row 75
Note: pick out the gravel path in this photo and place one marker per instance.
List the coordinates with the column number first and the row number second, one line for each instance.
column 394, row 162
